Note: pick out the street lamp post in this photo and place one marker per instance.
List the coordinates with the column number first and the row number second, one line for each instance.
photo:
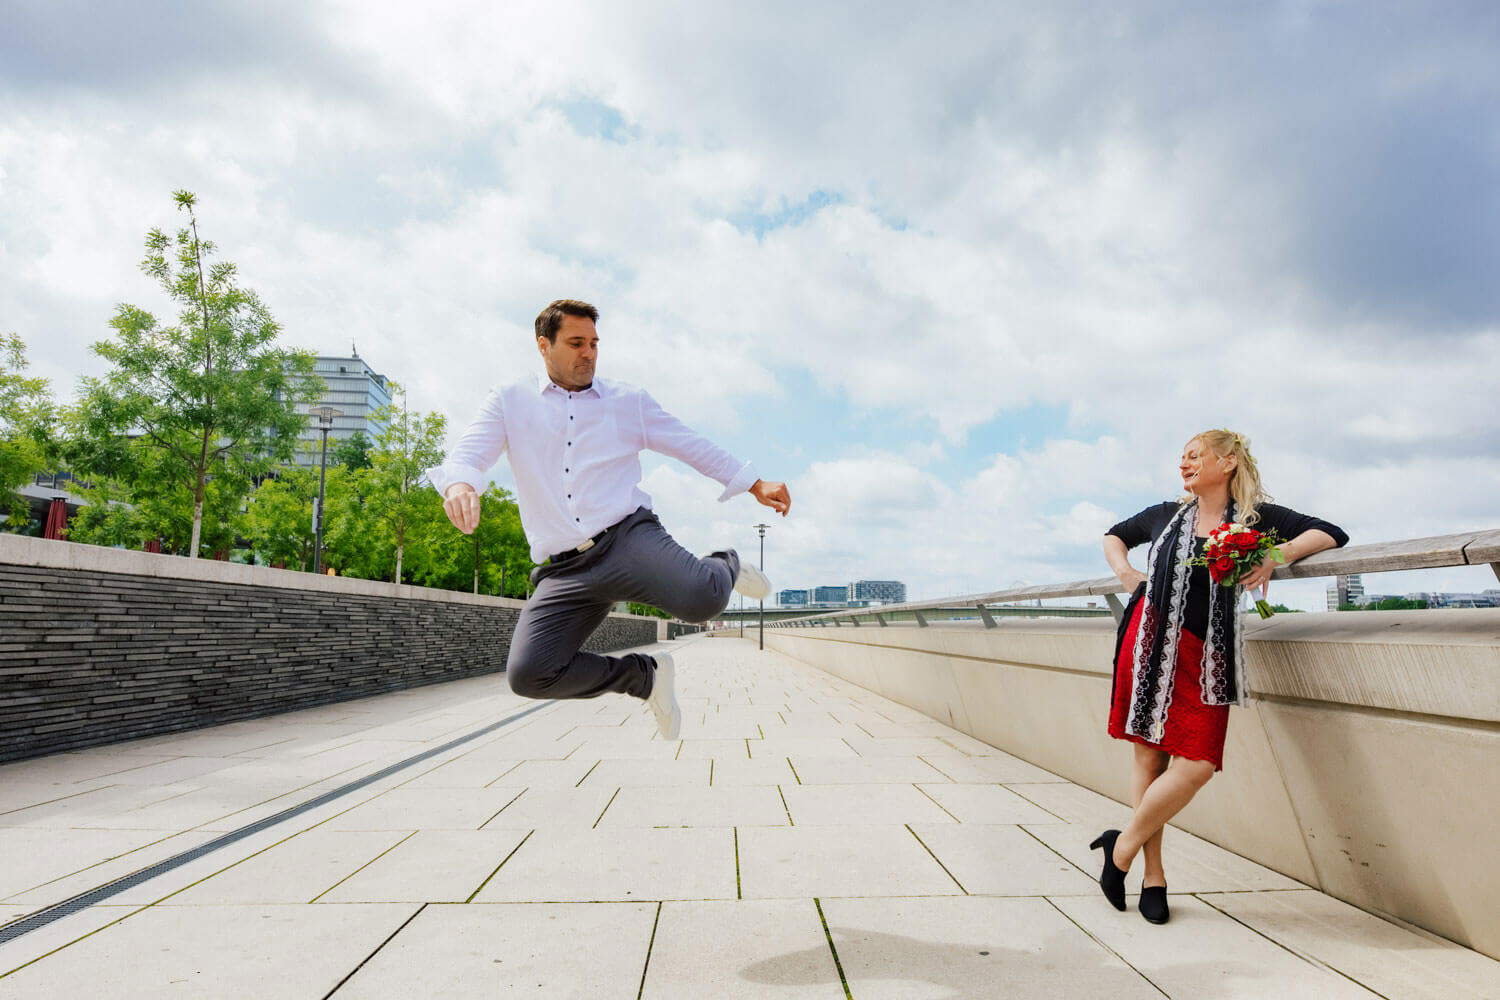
column 325, row 416
column 762, row 529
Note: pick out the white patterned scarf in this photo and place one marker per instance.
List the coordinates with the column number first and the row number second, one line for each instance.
column 1154, row 657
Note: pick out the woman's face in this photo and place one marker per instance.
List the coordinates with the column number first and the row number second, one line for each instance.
column 1202, row 470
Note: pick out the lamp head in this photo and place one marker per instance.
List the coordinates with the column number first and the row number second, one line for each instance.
column 325, row 415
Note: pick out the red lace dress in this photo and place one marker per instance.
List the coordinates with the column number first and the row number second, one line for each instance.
column 1193, row 729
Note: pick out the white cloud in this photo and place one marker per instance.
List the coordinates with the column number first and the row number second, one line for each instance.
column 1024, row 210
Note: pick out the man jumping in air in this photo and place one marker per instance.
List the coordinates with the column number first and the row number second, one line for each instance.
column 574, row 443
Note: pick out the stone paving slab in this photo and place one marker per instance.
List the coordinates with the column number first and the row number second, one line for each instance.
column 812, row 861
column 568, row 950
column 801, row 827
column 972, row 946
column 861, row 805
column 1201, row 952
column 741, row 950
column 294, row 871
column 214, row 952
column 49, row 887
column 617, row 865
column 1392, row 960
column 429, row 866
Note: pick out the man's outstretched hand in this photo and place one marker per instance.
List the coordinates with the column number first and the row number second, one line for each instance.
column 773, row 495
column 461, row 504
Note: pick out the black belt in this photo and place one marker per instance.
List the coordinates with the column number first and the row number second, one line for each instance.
column 574, row 553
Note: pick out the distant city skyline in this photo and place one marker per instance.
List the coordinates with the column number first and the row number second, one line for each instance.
column 856, row 592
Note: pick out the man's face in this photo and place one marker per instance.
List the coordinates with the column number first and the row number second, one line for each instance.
column 571, row 357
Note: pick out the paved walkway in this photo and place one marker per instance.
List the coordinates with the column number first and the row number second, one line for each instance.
column 804, row 839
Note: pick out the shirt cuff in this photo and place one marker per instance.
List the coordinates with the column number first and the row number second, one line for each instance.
column 742, row 481
column 445, row 475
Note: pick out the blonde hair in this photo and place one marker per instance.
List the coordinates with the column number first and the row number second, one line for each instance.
column 1244, row 482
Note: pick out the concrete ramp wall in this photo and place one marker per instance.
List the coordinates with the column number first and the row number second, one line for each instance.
column 1367, row 764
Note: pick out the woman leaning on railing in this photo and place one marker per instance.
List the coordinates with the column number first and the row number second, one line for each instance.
column 1180, row 649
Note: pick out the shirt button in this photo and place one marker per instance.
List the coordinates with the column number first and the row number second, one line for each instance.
column 567, row 470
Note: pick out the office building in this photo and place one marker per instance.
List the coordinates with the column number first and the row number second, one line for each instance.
column 351, row 386
column 791, row 598
column 1346, row 590
column 830, row 595
column 878, row 591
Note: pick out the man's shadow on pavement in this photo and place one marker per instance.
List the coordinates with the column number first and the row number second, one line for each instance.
column 979, row 971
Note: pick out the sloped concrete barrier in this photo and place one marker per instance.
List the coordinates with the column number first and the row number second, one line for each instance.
column 1367, row 764
column 99, row 645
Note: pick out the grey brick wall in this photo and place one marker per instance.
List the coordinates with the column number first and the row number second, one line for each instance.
column 90, row 657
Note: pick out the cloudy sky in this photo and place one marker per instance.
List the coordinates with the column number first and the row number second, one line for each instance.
column 965, row 275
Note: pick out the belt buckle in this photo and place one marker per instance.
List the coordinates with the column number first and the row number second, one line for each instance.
column 585, row 546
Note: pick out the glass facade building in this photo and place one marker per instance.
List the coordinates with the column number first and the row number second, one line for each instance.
column 830, row 595
column 352, row 386
column 1346, row 590
column 882, row 591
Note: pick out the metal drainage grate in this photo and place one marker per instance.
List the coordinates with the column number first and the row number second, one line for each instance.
column 82, row 901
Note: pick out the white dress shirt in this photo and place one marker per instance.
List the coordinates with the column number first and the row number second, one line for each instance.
column 576, row 456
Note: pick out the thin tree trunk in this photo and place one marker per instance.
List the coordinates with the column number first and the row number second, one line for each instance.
column 400, row 548
column 197, row 527
column 208, row 370
column 199, row 488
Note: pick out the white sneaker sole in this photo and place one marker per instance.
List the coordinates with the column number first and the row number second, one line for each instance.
column 663, row 699
column 752, row 583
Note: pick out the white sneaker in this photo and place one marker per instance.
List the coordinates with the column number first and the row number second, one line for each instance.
column 663, row 700
column 752, row 583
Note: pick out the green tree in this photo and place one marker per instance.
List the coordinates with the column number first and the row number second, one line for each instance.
column 107, row 517
column 501, row 557
column 1388, row 604
column 408, row 444
column 26, row 416
column 494, row 560
column 211, row 399
column 353, row 453
column 355, row 543
column 278, row 518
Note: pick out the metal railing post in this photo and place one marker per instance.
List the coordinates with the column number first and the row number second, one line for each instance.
column 1115, row 607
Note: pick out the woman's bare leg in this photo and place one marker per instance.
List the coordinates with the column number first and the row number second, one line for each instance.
column 1167, row 796
column 1149, row 765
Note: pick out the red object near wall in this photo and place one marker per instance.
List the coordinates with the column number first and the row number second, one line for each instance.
column 154, row 545
column 57, row 519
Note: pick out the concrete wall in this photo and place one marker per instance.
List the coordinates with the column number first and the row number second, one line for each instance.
column 99, row 645
column 1367, row 764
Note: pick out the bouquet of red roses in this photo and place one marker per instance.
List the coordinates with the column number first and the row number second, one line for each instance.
column 1233, row 550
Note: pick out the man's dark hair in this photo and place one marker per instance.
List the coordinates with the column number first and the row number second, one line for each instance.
column 549, row 320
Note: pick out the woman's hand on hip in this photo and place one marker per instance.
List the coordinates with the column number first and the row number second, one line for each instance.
column 1131, row 578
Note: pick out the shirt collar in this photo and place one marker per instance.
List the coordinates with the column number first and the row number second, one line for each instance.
column 543, row 383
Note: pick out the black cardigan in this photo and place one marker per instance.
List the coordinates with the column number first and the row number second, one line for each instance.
column 1142, row 529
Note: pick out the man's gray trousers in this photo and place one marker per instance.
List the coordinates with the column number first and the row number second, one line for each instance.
column 635, row 561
